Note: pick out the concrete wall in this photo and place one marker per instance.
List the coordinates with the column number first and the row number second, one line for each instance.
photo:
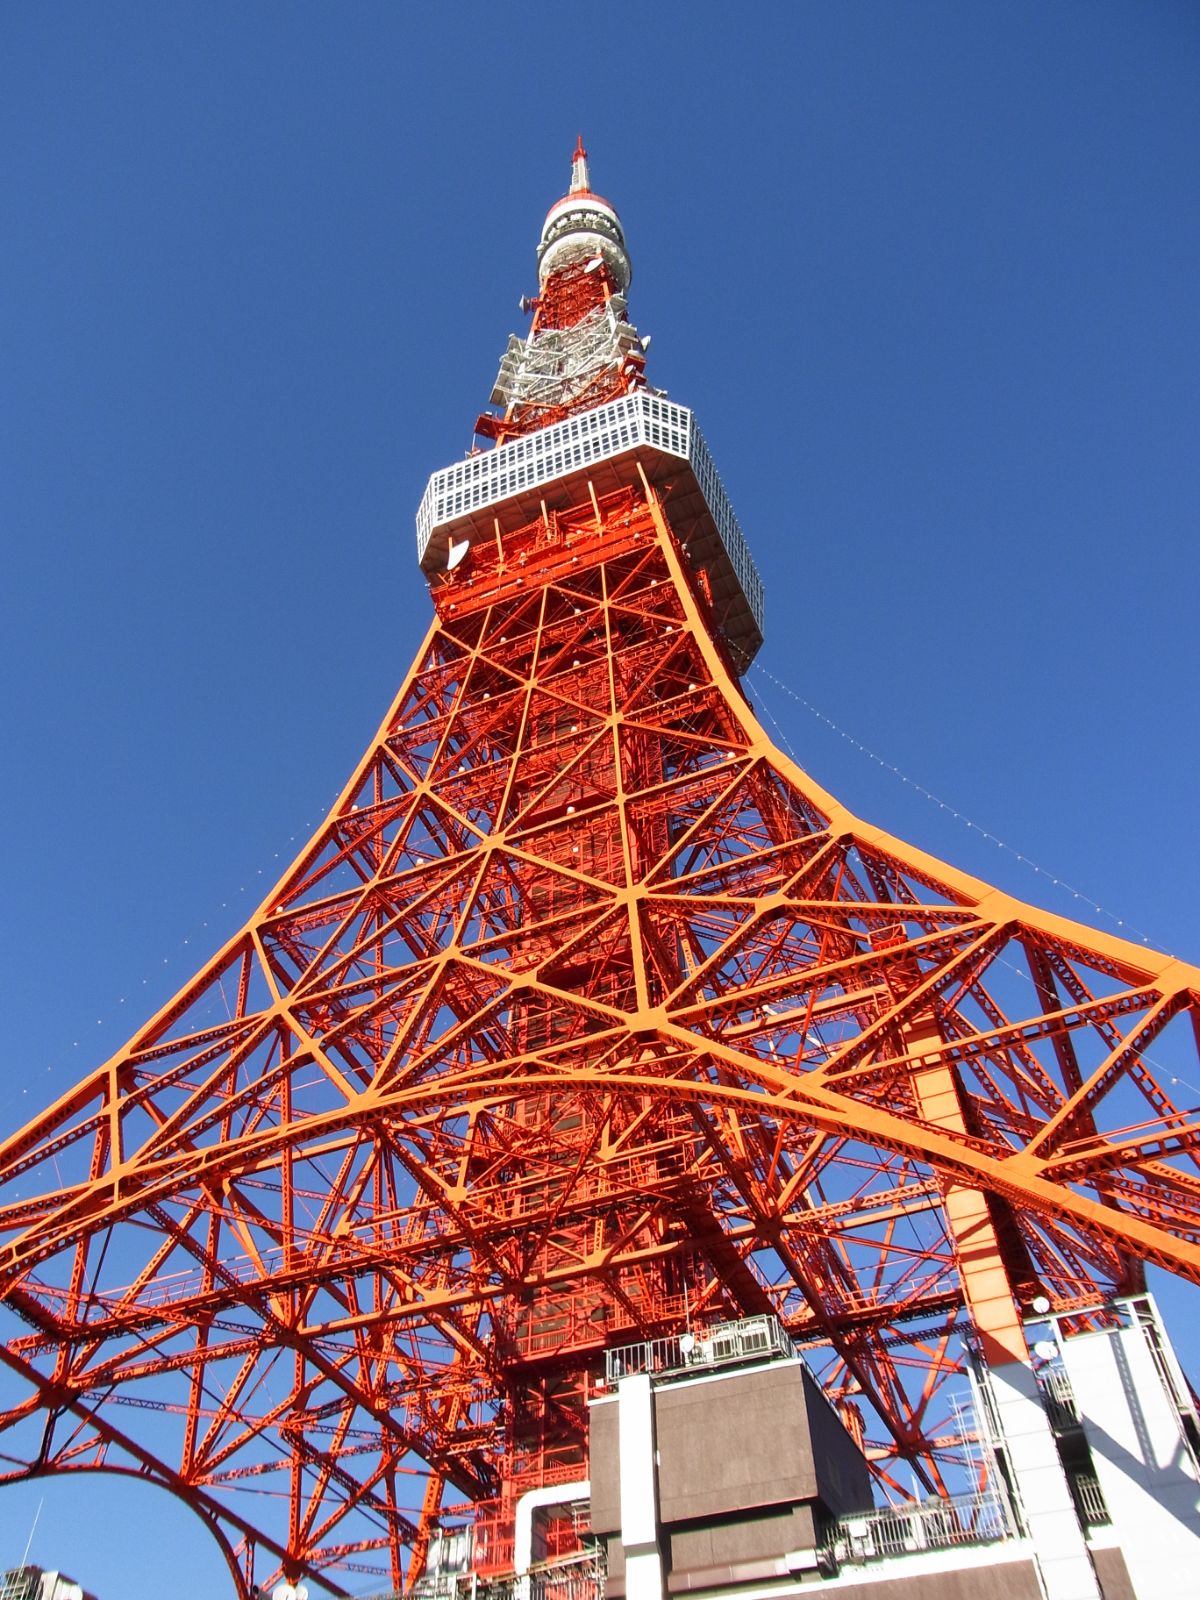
column 604, row 1466
column 1009, row 1580
column 1113, row 1575
column 749, row 1466
column 732, row 1444
column 1014, row 1580
column 749, row 1539
column 843, row 1479
column 1148, row 1475
column 751, row 1440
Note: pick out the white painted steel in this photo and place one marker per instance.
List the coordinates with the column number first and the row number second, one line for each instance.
column 555, row 1494
column 1145, row 1467
column 968, row 1519
column 758, row 1338
column 639, row 1489
column 492, row 476
column 554, row 366
column 580, row 225
column 1041, row 1485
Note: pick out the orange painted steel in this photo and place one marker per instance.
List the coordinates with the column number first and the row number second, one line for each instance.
column 585, row 1016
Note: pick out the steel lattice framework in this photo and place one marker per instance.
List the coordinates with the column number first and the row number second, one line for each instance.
column 584, row 1014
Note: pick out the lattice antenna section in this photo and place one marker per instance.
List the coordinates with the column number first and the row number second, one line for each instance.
column 557, row 366
column 582, row 349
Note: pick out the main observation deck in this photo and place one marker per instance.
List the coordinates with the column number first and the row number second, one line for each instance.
column 507, row 487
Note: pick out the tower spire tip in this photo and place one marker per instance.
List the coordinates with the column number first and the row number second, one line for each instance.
column 580, row 182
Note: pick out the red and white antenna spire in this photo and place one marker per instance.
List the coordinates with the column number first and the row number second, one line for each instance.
column 579, row 169
column 581, row 226
column 582, row 350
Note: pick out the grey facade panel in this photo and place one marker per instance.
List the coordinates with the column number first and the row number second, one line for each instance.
column 604, row 1467
column 754, row 1440
column 734, row 1445
column 1010, row 1580
column 843, row 1477
column 753, row 1537
column 1113, row 1575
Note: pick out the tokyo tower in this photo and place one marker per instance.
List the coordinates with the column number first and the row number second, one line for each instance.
column 585, row 1021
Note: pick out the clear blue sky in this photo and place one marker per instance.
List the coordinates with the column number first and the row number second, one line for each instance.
column 927, row 273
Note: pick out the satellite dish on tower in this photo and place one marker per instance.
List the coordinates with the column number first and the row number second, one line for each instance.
column 455, row 553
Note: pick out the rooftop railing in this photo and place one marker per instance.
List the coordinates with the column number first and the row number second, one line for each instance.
column 1058, row 1397
column 925, row 1525
column 730, row 1343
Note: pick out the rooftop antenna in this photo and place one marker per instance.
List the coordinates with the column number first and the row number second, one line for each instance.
column 581, row 182
column 32, row 1530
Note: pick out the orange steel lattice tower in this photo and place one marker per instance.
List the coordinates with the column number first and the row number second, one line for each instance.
column 585, row 1017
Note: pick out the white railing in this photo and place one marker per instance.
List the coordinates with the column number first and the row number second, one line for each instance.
column 538, row 458
column 753, row 1338
column 924, row 1525
column 1058, row 1397
column 577, row 1577
column 727, row 523
column 1089, row 1499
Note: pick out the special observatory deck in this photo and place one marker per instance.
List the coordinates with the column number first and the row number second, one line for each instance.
column 505, row 487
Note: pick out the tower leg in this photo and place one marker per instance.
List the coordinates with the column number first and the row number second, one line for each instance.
column 1035, row 1469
